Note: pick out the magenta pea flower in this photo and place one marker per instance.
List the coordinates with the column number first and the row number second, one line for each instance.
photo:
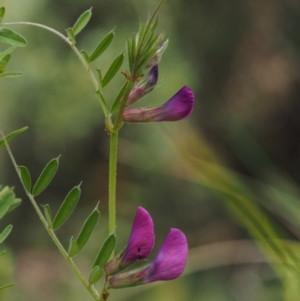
column 140, row 244
column 144, row 87
column 176, row 108
column 168, row 264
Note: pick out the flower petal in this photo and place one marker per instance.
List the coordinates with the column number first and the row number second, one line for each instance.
column 170, row 260
column 142, row 237
column 152, row 76
column 178, row 107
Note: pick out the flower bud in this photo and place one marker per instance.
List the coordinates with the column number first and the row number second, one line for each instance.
column 144, row 87
column 157, row 56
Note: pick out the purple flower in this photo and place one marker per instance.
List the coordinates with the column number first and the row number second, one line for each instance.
column 142, row 237
column 170, row 260
column 176, row 108
column 144, row 87
column 168, row 263
column 140, row 244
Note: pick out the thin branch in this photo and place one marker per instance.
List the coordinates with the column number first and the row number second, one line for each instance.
column 74, row 48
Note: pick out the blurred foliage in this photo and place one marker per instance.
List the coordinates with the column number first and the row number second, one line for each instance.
column 8, row 202
column 242, row 60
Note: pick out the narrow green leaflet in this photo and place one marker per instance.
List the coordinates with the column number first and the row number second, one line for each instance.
column 105, row 251
column 6, row 200
column 16, row 203
column 4, row 62
column 85, row 56
column 6, row 52
column 102, row 46
column 10, row 37
column 46, row 176
column 12, row 135
column 116, row 104
column 89, row 225
column 47, row 212
column 82, row 21
column 129, row 52
column 5, row 233
column 11, row 74
column 6, row 286
column 113, row 69
column 95, row 274
column 25, row 177
column 2, row 13
column 71, row 35
column 67, row 207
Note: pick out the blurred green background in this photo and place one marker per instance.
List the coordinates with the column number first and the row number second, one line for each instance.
column 239, row 149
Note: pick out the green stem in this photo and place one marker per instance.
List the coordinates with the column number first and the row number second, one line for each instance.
column 50, row 231
column 113, row 158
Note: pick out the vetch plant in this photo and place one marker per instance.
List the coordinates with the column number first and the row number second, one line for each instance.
column 143, row 51
column 142, row 55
